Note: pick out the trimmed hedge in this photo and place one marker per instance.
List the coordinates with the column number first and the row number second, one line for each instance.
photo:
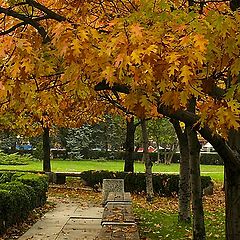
column 206, row 157
column 19, row 194
column 163, row 184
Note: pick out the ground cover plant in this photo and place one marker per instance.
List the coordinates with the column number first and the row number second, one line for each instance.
column 15, row 159
column 214, row 171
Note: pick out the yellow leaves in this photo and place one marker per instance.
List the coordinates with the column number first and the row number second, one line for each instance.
column 186, row 73
column 184, row 41
column 27, row 65
column 220, row 116
column 15, row 69
column 173, row 59
column 136, row 31
column 151, row 49
column 76, row 47
column 235, row 68
column 228, row 118
column 24, row 45
column 2, row 86
column 108, row 74
column 136, row 56
column 171, row 98
column 144, row 102
column 184, row 96
column 200, row 42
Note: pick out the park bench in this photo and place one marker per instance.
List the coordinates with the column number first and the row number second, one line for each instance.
column 60, row 177
column 118, row 222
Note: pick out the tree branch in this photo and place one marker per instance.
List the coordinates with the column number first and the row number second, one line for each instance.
column 47, row 11
column 116, row 87
column 27, row 20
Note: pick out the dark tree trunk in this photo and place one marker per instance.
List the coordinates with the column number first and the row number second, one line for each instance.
column 232, row 190
column 197, row 206
column 194, row 157
column 184, row 194
column 148, row 163
column 232, row 197
column 129, row 146
column 46, row 150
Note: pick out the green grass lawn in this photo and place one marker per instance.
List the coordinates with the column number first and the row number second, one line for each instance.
column 216, row 172
column 156, row 225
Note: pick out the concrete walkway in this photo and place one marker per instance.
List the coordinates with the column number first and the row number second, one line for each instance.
column 67, row 221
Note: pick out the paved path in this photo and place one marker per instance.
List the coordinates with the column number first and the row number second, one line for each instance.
column 67, row 221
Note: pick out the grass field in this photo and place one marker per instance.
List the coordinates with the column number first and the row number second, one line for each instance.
column 216, row 172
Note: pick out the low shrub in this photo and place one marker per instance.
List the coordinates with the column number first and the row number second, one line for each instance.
column 19, row 194
column 6, row 177
column 38, row 182
column 15, row 159
column 163, row 184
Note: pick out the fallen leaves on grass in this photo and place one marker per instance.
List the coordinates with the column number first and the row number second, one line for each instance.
column 170, row 204
column 158, row 220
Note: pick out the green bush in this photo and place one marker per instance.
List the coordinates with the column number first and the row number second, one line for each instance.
column 6, row 177
column 39, row 183
column 19, row 195
column 15, row 159
column 18, row 204
column 163, row 184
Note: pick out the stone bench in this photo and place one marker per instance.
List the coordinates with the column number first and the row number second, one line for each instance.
column 118, row 214
column 119, row 197
column 60, row 177
column 118, row 222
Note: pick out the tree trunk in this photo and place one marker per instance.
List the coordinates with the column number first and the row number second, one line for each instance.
column 231, row 158
column 129, row 146
column 148, row 163
column 46, row 150
column 158, row 152
column 169, row 154
column 232, row 190
column 184, row 194
column 197, row 206
column 232, row 199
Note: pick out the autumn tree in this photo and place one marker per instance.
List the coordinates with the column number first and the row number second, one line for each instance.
column 155, row 56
